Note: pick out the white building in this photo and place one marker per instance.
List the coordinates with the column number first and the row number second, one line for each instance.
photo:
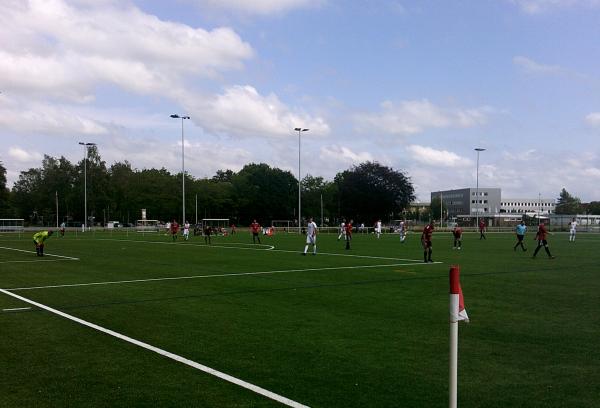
column 542, row 206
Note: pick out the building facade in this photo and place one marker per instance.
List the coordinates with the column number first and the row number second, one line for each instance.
column 542, row 206
column 469, row 201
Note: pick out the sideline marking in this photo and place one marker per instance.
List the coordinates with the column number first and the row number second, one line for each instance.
column 32, row 252
column 172, row 356
column 270, row 248
column 223, row 275
column 38, row 260
column 15, row 309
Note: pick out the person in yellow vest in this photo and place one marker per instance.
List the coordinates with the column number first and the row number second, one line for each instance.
column 38, row 239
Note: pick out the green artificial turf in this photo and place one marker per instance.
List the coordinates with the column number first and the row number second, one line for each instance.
column 327, row 331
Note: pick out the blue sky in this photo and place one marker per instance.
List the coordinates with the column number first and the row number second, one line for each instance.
column 413, row 85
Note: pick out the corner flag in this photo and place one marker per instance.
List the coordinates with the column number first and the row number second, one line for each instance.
column 457, row 313
column 457, row 302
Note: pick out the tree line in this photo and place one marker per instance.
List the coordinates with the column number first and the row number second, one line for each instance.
column 365, row 193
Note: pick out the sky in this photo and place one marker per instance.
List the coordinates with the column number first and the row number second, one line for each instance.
column 414, row 85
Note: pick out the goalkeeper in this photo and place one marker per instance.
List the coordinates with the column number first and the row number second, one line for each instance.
column 38, row 239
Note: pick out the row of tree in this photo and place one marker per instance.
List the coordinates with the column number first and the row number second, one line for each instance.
column 118, row 192
column 568, row 204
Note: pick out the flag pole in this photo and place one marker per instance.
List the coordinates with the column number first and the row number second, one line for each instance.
column 454, row 318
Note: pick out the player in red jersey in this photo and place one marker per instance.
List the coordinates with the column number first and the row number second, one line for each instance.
column 174, row 230
column 348, row 229
column 482, row 230
column 457, row 233
column 426, row 242
column 541, row 235
column 255, row 228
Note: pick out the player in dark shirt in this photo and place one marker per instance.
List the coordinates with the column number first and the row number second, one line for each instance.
column 426, row 242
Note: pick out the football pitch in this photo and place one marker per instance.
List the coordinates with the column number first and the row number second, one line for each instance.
column 122, row 320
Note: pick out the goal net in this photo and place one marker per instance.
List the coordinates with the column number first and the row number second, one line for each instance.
column 12, row 225
column 219, row 225
column 284, row 225
column 147, row 226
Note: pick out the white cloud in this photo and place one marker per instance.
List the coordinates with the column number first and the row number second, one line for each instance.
column 242, row 110
column 343, row 155
column 541, row 6
column 259, row 7
column 412, row 117
column 29, row 117
column 64, row 51
column 533, row 67
column 20, row 155
column 437, row 158
column 593, row 119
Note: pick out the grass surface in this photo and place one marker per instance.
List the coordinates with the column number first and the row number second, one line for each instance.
column 359, row 334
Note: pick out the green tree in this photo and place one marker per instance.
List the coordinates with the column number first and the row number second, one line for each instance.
column 5, row 210
column 315, row 189
column 264, row 193
column 434, row 208
column 567, row 204
column 371, row 191
column 593, row 207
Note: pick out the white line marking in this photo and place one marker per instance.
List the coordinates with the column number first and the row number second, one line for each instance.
column 32, row 252
column 198, row 366
column 271, row 248
column 224, row 275
column 268, row 247
column 36, row 261
column 14, row 309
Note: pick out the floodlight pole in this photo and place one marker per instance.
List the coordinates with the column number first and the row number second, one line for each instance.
column 175, row 116
column 478, row 150
column 85, row 145
column 299, row 130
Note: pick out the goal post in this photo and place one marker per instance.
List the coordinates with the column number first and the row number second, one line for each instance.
column 12, row 225
column 219, row 225
column 147, row 226
column 284, row 225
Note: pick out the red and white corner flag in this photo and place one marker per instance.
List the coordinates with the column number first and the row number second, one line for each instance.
column 457, row 302
column 457, row 313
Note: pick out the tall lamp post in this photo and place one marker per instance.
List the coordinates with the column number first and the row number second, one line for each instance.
column 299, row 130
column 85, row 145
column 175, row 116
column 478, row 150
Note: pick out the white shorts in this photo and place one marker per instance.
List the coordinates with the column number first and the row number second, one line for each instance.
column 311, row 239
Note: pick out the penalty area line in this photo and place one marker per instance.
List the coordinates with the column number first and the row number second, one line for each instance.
column 32, row 252
column 221, row 275
column 184, row 243
column 254, row 388
column 16, row 309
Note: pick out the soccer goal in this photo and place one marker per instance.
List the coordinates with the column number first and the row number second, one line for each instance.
column 12, row 225
column 219, row 225
column 284, row 226
column 146, row 226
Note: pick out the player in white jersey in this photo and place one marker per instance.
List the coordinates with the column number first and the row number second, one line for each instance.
column 378, row 228
column 342, row 230
column 402, row 229
column 186, row 230
column 572, row 230
column 311, row 236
